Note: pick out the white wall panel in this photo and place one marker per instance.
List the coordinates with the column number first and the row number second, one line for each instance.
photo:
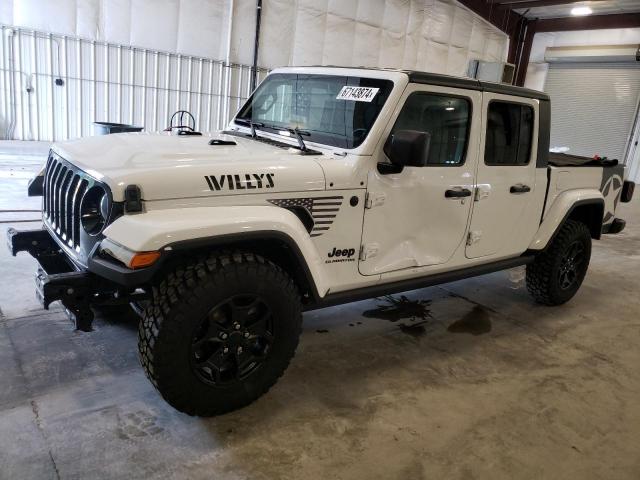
column 203, row 28
column 159, row 30
column 433, row 35
column 115, row 22
column 57, row 16
column 87, row 19
column 6, row 12
column 278, row 22
column 338, row 43
column 243, row 28
column 136, row 61
column 374, row 33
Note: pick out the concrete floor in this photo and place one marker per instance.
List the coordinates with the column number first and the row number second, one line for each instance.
column 468, row 380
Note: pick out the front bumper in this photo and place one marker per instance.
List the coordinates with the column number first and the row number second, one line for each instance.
column 58, row 278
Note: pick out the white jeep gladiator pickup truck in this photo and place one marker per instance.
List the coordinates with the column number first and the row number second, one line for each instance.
column 330, row 185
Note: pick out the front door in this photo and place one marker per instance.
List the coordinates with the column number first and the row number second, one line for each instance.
column 419, row 216
column 506, row 211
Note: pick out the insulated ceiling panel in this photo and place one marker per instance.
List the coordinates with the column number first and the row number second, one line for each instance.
column 433, row 35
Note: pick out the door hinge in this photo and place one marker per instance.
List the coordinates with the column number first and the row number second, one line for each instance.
column 373, row 199
column 368, row 251
column 474, row 237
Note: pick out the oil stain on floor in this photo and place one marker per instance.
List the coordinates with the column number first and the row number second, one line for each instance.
column 475, row 322
column 401, row 308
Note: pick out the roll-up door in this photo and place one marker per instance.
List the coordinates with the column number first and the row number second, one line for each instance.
column 593, row 106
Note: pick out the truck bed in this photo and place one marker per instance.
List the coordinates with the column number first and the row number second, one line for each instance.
column 570, row 172
column 566, row 160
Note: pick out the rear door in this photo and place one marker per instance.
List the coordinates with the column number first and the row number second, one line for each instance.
column 506, row 210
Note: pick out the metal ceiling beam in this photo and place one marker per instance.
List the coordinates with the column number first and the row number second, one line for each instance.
column 590, row 22
column 535, row 3
column 501, row 17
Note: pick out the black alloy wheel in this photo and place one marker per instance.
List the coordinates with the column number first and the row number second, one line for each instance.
column 233, row 341
column 219, row 330
column 557, row 272
column 571, row 265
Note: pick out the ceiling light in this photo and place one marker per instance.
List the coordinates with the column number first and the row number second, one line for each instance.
column 449, row 109
column 581, row 11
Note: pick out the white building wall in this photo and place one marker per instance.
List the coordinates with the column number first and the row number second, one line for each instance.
column 190, row 27
column 434, row 35
column 139, row 60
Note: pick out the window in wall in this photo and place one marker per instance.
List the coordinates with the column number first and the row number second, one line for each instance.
column 509, row 133
column 447, row 119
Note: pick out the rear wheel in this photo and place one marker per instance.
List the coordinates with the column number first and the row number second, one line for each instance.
column 219, row 332
column 557, row 273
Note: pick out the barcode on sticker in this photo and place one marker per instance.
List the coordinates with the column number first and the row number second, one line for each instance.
column 357, row 94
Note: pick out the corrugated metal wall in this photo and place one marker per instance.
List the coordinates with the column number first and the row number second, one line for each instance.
column 52, row 87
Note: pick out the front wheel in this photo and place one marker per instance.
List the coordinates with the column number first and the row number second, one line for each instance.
column 219, row 332
column 556, row 274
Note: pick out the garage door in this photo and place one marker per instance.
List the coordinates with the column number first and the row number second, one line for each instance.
column 593, row 106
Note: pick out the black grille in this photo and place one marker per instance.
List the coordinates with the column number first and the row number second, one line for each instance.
column 63, row 189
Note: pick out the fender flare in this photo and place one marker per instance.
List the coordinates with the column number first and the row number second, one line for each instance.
column 561, row 209
column 177, row 230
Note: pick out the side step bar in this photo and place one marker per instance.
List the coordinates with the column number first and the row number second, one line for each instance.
column 415, row 283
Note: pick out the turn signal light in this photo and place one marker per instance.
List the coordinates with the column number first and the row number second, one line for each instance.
column 143, row 259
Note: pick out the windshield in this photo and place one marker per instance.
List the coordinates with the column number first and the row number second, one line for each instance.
column 332, row 110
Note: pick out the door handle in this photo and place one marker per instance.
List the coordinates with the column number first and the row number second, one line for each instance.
column 520, row 188
column 457, row 193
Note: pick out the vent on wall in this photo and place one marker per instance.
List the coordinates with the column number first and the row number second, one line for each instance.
column 499, row 72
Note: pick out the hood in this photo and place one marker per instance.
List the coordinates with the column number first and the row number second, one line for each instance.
column 168, row 166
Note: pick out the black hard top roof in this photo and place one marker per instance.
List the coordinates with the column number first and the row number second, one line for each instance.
column 473, row 84
column 457, row 82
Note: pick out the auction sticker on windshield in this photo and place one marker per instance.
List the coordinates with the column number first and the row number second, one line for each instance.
column 357, row 94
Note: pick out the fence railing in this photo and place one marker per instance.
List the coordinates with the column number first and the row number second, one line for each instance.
column 53, row 87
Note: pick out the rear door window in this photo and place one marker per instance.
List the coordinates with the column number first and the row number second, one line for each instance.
column 509, row 134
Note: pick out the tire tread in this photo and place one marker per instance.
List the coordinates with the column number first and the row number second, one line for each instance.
column 539, row 272
column 185, row 286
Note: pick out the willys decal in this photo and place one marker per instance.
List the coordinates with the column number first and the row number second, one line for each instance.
column 247, row 181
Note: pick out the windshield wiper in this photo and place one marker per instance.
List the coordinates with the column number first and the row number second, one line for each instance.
column 295, row 132
column 298, row 134
column 253, row 125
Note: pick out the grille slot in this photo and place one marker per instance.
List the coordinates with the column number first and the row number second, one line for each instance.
column 64, row 186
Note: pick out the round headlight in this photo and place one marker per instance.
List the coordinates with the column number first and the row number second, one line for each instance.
column 94, row 210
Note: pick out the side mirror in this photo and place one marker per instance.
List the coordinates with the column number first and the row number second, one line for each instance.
column 408, row 148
